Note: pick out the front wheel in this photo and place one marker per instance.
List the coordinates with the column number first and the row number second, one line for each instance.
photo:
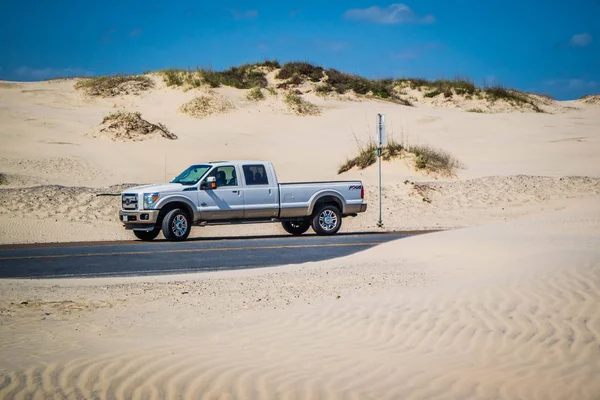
column 147, row 235
column 296, row 227
column 176, row 225
column 327, row 220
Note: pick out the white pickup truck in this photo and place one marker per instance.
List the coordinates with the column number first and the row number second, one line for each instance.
column 229, row 192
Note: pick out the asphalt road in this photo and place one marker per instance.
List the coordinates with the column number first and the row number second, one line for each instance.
column 161, row 257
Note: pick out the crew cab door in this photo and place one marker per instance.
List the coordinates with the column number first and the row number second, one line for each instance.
column 261, row 192
column 227, row 200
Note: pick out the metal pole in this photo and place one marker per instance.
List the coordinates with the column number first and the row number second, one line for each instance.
column 380, row 142
column 380, row 222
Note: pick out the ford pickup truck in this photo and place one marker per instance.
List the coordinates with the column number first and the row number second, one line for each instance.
column 229, row 192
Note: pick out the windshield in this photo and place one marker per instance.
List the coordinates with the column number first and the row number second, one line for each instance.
column 191, row 175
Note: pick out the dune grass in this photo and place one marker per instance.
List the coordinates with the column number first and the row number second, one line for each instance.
column 245, row 76
column 203, row 106
column 513, row 97
column 255, row 94
column 114, row 85
column 426, row 158
column 123, row 125
column 367, row 155
column 301, row 106
column 3, row 179
column 434, row 160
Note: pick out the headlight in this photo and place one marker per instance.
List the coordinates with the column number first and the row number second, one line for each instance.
column 149, row 200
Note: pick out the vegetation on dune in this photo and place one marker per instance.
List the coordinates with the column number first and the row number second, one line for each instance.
column 425, row 157
column 328, row 81
column 3, row 179
column 114, row 85
column 244, row 76
column 367, row 155
column 255, row 94
column 511, row 96
column 300, row 106
column 204, row 106
column 334, row 81
column 123, row 125
column 476, row 110
column 434, row 160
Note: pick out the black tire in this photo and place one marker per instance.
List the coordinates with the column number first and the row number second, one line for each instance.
column 147, row 235
column 176, row 225
column 325, row 227
column 296, row 227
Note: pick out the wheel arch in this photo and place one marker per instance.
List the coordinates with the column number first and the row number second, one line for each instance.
column 326, row 197
column 173, row 204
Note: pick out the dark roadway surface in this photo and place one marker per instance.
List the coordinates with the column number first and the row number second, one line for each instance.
column 195, row 255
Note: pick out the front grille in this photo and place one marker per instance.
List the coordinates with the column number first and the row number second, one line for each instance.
column 129, row 201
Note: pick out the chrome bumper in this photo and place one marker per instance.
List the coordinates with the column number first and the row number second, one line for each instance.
column 143, row 217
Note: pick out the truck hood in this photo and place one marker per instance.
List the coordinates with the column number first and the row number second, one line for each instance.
column 159, row 188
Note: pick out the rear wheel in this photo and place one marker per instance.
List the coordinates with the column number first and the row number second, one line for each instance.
column 296, row 227
column 147, row 235
column 176, row 225
column 327, row 220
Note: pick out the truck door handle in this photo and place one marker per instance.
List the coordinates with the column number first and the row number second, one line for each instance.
column 234, row 191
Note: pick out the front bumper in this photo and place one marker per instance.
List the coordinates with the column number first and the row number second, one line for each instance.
column 133, row 219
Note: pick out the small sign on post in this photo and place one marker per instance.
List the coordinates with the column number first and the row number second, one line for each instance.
column 380, row 145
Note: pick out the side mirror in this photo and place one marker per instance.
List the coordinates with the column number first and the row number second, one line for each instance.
column 209, row 184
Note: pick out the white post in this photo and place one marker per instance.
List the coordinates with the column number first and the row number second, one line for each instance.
column 380, row 145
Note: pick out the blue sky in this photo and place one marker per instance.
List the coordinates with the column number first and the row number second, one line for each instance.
column 544, row 46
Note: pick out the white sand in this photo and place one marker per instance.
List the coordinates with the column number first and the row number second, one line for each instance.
column 509, row 310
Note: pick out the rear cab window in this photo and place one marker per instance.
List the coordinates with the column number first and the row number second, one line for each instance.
column 255, row 175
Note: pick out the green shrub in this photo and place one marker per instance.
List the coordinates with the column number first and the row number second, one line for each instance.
column 269, row 64
column 313, row 72
column 434, row 160
column 255, row 94
column 511, row 96
column 392, row 150
column 114, row 85
column 301, row 106
column 367, row 155
column 173, row 77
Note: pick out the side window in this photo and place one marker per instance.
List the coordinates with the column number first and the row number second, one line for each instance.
column 255, row 175
column 225, row 176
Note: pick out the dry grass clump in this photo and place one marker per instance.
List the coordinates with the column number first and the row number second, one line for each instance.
column 367, row 155
column 434, row 160
column 426, row 158
column 513, row 97
column 122, row 125
column 300, row 106
column 255, row 94
column 245, row 76
column 3, row 179
column 115, row 85
column 204, row 106
column 476, row 110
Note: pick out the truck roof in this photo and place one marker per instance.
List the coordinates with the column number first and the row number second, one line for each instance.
column 240, row 162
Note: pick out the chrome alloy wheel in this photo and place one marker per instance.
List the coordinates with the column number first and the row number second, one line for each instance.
column 328, row 220
column 179, row 225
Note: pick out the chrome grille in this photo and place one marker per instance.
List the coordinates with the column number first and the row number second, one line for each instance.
column 129, row 201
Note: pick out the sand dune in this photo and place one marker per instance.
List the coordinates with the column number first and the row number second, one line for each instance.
column 521, row 324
